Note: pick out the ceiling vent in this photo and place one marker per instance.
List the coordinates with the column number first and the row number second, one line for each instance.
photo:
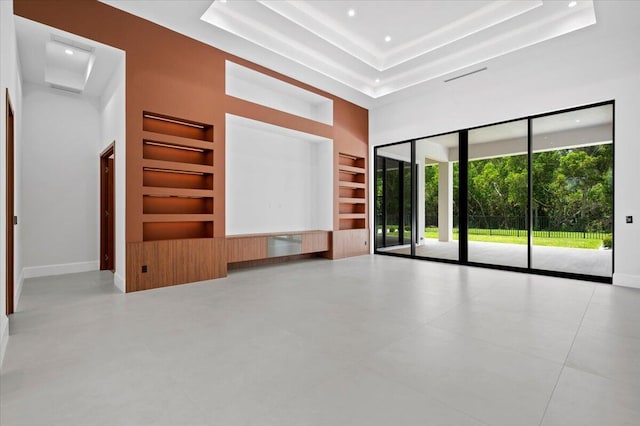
column 465, row 74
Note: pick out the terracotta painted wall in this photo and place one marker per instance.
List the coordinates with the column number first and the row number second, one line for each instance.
column 171, row 74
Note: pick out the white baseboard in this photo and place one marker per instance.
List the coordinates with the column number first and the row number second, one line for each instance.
column 18, row 290
column 65, row 268
column 118, row 281
column 4, row 336
column 626, row 280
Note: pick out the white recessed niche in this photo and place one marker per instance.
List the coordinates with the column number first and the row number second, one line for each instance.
column 259, row 88
column 277, row 179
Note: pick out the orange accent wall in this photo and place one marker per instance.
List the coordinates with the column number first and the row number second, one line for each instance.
column 171, row 74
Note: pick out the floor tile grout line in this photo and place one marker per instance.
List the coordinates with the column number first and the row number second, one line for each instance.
column 422, row 392
column 564, row 364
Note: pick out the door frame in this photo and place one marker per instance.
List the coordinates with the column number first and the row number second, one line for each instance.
column 107, row 177
column 10, row 207
column 463, row 200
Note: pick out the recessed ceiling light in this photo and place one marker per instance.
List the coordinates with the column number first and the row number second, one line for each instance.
column 387, row 39
column 578, row 120
column 68, row 51
column 351, row 12
column 573, row 4
column 377, row 80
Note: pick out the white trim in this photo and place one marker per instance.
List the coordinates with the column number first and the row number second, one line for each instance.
column 4, row 336
column 18, row 290
column 65, row 268
column 118, row 281
column 626, row 280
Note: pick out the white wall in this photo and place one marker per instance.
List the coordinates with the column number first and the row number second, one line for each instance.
column 276, row 182
column 595, row 64
column 9, row 79
column 112, row 128
column 59, row 182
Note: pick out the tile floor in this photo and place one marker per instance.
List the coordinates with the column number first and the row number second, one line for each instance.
column 372, row 340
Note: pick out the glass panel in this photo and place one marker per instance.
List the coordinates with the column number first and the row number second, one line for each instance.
column 379, row 200
column 393, row 202
column 498, row 192
column 573, row 191
column 393, row 198
column 437, row 204
column 284, row 245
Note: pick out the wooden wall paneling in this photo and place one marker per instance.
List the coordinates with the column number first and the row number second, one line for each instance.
column 134, row 267
column 199, row 259
column 315, row 242
column 159, row 258
column 351, row 137
column 219, row 257
column 191, row 87
column 193, row 260
column 347, row 243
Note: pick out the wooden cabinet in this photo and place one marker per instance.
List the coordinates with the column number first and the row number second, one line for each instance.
column 243, row 248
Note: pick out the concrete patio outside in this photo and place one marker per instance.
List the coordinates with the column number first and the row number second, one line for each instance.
column 561, row 259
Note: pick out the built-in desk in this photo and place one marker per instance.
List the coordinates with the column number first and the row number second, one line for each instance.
column 242, row 248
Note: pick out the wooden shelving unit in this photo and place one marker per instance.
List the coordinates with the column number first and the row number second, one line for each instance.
column 352, row 186
column 177, row 178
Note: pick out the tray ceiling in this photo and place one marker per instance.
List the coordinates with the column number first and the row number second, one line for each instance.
column 380, row 47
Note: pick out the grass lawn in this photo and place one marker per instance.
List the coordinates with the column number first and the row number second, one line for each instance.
column 539, row 239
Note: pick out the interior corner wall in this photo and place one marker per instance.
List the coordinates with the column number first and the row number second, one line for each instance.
column 551, row 76
column 59, row 181
column 113, row 129
column 9, row 80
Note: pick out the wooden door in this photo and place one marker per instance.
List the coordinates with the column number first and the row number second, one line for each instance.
column 10, row 206
column 107, row 209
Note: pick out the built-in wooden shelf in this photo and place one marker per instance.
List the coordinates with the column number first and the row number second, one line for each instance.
column 177, row 178
column 172, row 126
column 352, row 201
column 177, row 217
column 153, row 204
column 351, row 169
column 175, row 166
column 359, row 185
column 352, row 198
column 158, row 231
column 176, row 140
column 175, row 192
column 352, row 216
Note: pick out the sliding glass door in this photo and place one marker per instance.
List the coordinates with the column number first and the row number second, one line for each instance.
column 437, row 197
column 572, row 192
column 534, row 194
column 394, row 176
column 497, row 194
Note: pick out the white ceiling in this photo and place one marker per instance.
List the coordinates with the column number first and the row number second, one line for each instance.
column 319, row 43
column 44, row 62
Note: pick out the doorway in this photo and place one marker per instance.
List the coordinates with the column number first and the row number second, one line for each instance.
column 107, row 209
column 11, row 220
